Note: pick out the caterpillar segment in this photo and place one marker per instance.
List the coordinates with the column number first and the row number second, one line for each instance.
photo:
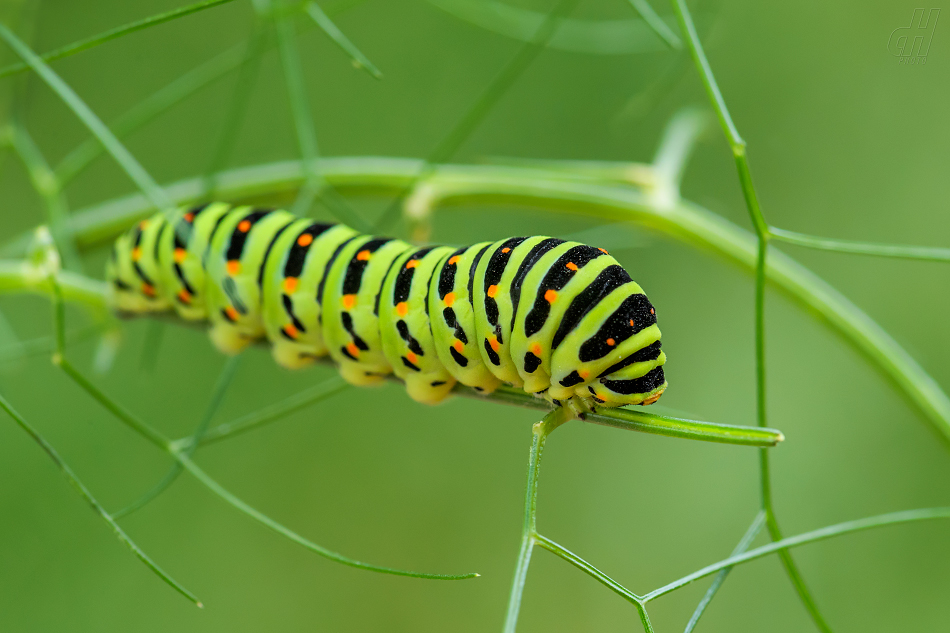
column 452, row 317
column 352, row 321
column 561, row 320
column 293, row 273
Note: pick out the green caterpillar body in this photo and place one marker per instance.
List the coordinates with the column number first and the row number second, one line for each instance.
column 559, row 319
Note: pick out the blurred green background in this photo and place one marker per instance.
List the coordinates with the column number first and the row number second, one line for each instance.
column 843, row 142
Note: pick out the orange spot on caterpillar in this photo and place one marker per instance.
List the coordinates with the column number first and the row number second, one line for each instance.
column 180, row 255
column 453, row 260
column 136, row 254
column 234, row 267
column 449, row 299
column 290, row 285
column 571, row 266
column 291, row 330
column 184, row 296
column 411, row 357
column 493, row 341
column 458, row 345
column 244, row 226
column 353, row 349
column 492, row 290
column 363, row 256
column 632, row 324
column 143, row 225
column 604, row 251
column 412, row 263
column 652, row 311
column 583, row 374
column 611, row 342
column 305, row 239
column 232, row 313
column 402, row 308
column 536, row 349
column 349, row 301
column 189, row 217
column 550, row 296
column 148, row 290
column 506, row 250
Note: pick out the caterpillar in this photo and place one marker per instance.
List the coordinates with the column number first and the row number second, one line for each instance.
column 560, row 319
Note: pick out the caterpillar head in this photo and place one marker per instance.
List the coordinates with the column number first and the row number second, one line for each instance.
column 613, row 357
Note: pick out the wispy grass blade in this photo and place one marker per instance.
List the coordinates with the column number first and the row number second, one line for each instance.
column 237, row 503
column 217, row 397
column 94, row 504
column 149, row 108
column 314, row 185
column 122, row 156
column 720, row 578
column 663, row 31
column 329, row 387
column 588, row 36
column 324, row 22
column 839, row 529
column 237, row 106
column 453, row 140
column 111, row 34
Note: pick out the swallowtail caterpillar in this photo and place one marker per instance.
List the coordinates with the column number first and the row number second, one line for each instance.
column 559, row 319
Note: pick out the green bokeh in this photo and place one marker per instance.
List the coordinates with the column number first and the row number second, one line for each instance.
column 844, row 142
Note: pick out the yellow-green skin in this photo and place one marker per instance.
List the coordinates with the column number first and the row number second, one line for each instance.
column 558, row 319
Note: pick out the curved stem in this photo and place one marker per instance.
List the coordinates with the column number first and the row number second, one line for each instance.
column 96, row 506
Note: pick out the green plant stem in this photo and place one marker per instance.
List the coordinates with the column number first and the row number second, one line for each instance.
column 118, row 151
column 642, row 420
column 893, row 518
column 188, row 448
column 529, row 532
column 94, row 504
column 111, row 34
column 739, row 151
column 925, row 253
column 587, row 568
column 720, row 578
column 19, row 276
